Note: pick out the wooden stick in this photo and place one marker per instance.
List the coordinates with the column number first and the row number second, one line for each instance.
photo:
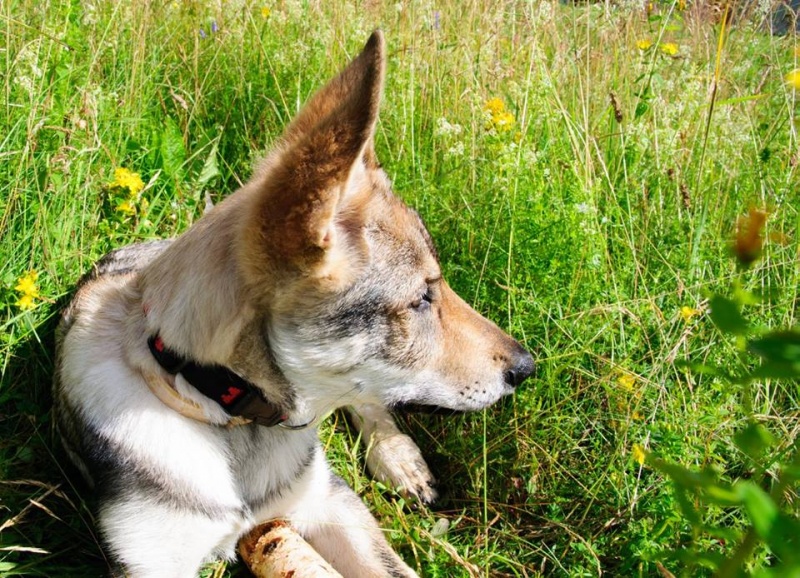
column 276, row 550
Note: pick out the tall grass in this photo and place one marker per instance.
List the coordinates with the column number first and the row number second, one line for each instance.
column 606, row 207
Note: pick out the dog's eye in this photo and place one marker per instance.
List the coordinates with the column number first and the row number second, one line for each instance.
column 424, row 302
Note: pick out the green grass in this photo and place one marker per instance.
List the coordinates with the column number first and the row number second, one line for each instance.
column 581, row 234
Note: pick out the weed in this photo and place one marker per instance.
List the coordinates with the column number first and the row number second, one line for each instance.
column 593, row 227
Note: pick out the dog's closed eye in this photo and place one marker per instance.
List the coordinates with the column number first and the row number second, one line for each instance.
column 424, row 302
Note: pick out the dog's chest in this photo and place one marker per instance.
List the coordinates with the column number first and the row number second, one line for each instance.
column 268, row 463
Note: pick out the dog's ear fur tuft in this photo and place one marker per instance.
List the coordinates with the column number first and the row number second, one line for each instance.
column 304, row 182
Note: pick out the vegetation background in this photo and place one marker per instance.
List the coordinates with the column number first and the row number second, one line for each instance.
column 582, row 169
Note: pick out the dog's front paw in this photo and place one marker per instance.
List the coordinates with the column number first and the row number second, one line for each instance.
column 396, row 461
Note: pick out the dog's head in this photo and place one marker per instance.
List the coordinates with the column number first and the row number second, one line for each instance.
column 346, row 276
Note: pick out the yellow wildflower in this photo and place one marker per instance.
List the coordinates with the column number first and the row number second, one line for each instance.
column 688, row 313
column 501, row 120
column 626, row 381
column 637, row 415
column 27, row 283
column 793, row 78
column 681, row 5
column 669, row 48
column 29, row 292
column 265, row 12
column 495, row 106
column 644, row 43
column 126, row 179
column 25, row 302
column 638, row 454
column 126, row 208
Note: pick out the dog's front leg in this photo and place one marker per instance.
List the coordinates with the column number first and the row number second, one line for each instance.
column 337, row 524
column 392, row 457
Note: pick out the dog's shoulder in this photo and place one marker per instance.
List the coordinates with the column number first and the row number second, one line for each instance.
column 128, row 259
column 110, row 270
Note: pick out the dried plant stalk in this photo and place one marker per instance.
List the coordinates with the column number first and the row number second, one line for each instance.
column 276, row 550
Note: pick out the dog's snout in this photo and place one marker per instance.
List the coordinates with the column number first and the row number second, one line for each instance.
column 521, row 369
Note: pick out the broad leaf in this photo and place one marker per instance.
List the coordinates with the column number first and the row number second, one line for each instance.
column 760, row 507
column 726, row 316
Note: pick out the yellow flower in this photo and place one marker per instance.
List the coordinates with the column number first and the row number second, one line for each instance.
column 126, row 179
column 265, row 12
column 495, row 106
column 626, row 381
column 503, row 121
column 637, row 415
column 29, row 292
column 688, row 313
column 669, row 48
column 644, row 43
column 126, row 208
column 638, row 454
column 27, row 284
column 26, row 302
column 681, row 5
column 793, row 78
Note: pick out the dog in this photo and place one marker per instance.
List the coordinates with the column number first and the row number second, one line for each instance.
column 191, row 373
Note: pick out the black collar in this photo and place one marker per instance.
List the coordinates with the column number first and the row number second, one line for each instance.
column 232, row 392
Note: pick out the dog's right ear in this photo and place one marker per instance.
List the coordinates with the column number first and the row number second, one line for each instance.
column 304, row 182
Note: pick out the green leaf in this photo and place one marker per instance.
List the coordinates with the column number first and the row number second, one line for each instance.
column 775, row 370
column 685, row 477
column 210, row 169
column 173, row 153
column 781, row 346
column 761, row 509
column 784, row 539
column 754, row 440
column 703, row 369
column 721, row 495
column 741, row 99
column 711, row 560
column 726, row 316
column 745, row 297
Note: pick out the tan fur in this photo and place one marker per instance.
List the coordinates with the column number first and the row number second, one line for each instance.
column 317, row 285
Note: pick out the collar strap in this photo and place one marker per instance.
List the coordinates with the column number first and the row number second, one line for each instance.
column 230, row 391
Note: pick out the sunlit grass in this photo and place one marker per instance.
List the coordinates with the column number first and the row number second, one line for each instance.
column 588, row 215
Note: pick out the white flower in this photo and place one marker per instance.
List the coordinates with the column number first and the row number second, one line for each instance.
column 445, row 128
column 457, row 150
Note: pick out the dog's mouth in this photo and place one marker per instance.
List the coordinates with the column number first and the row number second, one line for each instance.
column 410, row 407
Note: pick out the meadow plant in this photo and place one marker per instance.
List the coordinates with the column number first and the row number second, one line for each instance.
column 740, row 511
column 580, row 167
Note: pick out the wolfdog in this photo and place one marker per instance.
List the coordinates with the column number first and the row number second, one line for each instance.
column 191, row 374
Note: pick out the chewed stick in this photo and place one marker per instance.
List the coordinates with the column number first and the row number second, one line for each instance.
column 276, row 550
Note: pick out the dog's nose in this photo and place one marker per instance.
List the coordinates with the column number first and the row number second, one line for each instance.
column 521, row 370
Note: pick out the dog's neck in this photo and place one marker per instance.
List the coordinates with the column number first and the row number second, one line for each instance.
column 193, row 290
column 252, row 389
column 237, row 396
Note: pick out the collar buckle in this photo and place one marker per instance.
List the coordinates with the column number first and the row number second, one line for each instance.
column 254, row 407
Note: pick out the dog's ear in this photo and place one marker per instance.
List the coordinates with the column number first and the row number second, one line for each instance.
column 327, row 144
column 323, row 102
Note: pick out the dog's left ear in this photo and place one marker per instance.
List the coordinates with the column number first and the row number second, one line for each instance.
column 328, row 142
